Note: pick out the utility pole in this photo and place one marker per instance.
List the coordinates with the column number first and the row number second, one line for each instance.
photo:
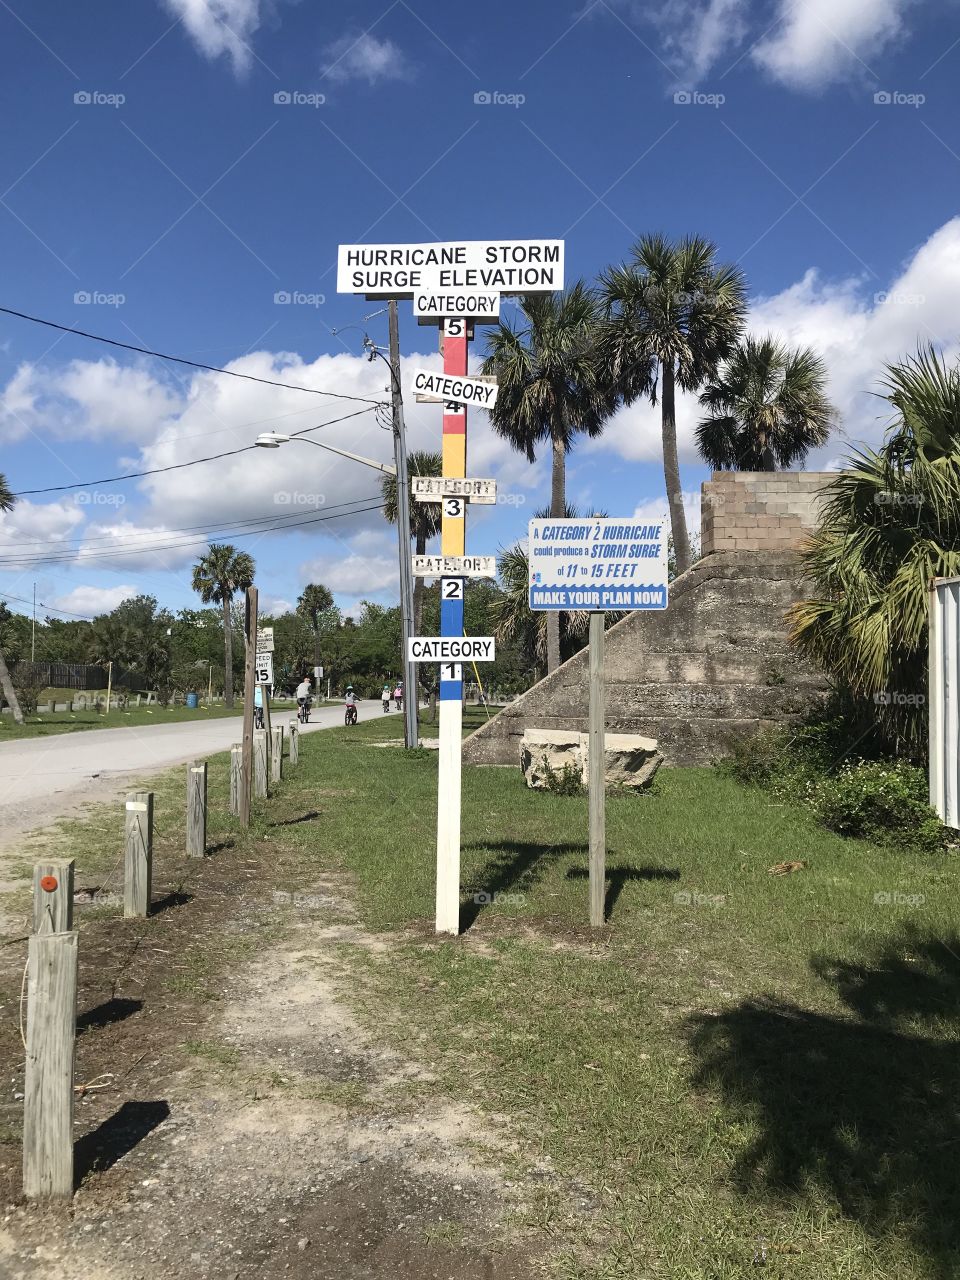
column 250, row 674
column 33, row 633
column 410, row 692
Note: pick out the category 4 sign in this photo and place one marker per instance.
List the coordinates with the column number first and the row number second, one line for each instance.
column 598, row 564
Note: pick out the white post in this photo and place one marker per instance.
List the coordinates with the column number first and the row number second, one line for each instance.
column 944, row 699
column 598, row 774
column 448, row 816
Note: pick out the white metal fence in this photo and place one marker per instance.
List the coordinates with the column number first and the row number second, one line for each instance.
column 945, row 699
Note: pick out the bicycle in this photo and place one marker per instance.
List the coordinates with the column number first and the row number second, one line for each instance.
column 258, row 717
column 303, row 710
column 351, row 715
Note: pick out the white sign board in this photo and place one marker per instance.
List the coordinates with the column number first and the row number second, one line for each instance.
column 451, row 649
column 436, row 488
column 265, row 640
column 455, row 566
column 431, row 304
column 462, row 390
column 944, row 695
column 455, row 266
column 264, row 674
column 598, row 564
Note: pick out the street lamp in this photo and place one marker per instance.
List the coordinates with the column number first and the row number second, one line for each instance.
column 274, row 439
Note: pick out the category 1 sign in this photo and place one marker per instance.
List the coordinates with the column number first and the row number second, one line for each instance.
column 449, row 267
column 451, row 649
column 455, row 566
column 436, row 488
column 446, row 387
column 598, row 564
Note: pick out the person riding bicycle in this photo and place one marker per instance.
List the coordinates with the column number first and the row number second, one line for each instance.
column 351, row 702
column 304, row 692
column 258, row 706
column 398, row 695
column 385, row 698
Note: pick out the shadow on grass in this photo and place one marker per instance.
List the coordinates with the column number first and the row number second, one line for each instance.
column 292, row 822
column 116, row 1137
column 110, row 1011
column 619, row 877
column 515, row 866
column 176, row 898
column 866, row 1108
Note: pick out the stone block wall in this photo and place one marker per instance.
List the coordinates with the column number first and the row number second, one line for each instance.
column 759, row 510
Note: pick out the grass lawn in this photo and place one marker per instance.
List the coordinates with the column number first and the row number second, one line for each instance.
column 743, row 1073
column 43, row 724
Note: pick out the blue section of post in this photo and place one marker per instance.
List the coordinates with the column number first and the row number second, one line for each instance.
column 451, row 626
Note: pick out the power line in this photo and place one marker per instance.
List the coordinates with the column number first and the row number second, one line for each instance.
column 130, row 539
column 178, row 466
column 12, row 562
column 49, row 607
column 193, row 364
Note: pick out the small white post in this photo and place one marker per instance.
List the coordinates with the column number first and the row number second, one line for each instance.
column 448, row 816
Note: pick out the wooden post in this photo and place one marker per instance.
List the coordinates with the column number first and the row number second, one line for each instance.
column 48, row 1084
column 276, row 758
column 53, row 895
column 260, row 763
column 109, row 684
column 250, row 673
column 138, row 854
column 598, row 773
column 197, row 808
column 294, row 742
column 265, row 700
column 236, row 777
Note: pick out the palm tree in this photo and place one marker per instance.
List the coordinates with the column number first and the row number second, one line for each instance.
column 216, row 577
column 315, row 599
column 424, row 516
column 889, row 524
column 767, row 406
column 673, row 311
column 7, row 501
column 550, row 388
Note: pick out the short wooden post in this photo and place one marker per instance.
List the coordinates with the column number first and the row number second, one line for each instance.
column 53, row 895
column 294, row 742
column 597, row 769
column 138, row 853
column 236, row 777
column 260, row 762
column 197, row 808
column 48, row 1084
column 276, row 758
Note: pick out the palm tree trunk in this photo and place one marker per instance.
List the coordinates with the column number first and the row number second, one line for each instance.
column 558, row 509
column 6, row 684
column 418, row 588
column 671, row 468
column 227, row 655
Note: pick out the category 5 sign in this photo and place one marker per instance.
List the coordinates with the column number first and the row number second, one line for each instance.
column 598, row 564
column 460, row 390
column 451, row 267
column 451, row 649
column 431, row 305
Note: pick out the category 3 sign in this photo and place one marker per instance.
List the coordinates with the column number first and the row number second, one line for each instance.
column 598, row 564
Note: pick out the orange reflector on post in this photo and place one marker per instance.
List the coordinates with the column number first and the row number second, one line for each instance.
column 49, row 883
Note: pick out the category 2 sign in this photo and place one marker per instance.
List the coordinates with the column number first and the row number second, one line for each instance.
column 598, row 564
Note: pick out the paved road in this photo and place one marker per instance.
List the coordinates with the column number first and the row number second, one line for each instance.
column 45, row 778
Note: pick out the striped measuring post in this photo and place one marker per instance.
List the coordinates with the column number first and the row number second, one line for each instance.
column 453, row 538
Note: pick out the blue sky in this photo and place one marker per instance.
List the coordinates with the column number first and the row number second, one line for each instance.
column 149, row 165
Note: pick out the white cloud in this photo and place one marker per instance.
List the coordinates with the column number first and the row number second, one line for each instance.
column 31, row 526
column 220, row 27
column 91, row 601
column 354, row 574
column 817, row 42
column 697, row 35
column 366, row 58
column 273, row 606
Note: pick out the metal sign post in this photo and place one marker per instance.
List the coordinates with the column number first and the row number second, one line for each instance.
column 599, row 565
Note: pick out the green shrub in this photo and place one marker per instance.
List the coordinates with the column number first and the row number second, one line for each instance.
column 758, row 759
column 566, row 782
column 882, row 801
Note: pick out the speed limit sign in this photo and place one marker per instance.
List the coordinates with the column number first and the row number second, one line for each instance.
column 264, row 668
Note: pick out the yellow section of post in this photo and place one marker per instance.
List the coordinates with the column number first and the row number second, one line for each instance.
column 453, row 537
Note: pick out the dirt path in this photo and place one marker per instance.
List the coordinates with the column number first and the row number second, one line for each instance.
column 292, row 1144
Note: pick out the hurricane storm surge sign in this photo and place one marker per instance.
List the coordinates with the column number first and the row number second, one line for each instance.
column 598, row 564
column 450, row 267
